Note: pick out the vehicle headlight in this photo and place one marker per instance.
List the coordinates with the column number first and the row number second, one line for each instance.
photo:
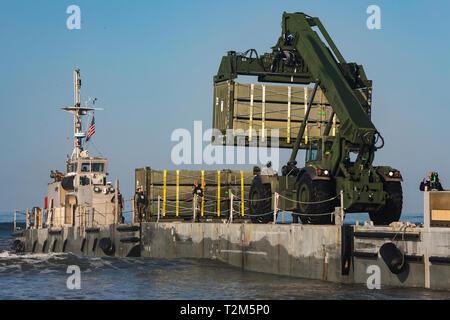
column 326, row 172
column 97, row 189
column 111, row 190
column 391, row 174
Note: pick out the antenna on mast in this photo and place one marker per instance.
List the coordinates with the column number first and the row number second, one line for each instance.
column 78, row 112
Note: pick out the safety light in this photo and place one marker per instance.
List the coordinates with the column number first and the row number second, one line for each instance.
column 321, row 172
column 394, row 174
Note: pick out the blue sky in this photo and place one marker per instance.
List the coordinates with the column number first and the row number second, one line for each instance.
column 151, row 63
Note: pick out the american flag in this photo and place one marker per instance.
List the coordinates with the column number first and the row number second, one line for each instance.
column 91, row 129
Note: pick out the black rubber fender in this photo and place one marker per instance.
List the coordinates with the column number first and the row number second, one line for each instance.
column 64, row 246
column 107, row 246
column 393, row 257
column 127, row 228
column 130, row 240
column 18, row 246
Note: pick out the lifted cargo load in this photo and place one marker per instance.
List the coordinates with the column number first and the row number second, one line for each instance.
column 252, row 108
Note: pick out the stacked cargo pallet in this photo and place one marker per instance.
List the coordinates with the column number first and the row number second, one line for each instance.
column 259, row 107
column 173, row 191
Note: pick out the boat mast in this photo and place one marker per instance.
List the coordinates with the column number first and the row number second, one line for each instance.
column 78, row 133
column 78, row 112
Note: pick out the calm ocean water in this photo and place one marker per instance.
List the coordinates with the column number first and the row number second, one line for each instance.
column 43, row 276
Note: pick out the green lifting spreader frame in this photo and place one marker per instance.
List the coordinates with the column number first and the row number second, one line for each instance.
column 301, row 57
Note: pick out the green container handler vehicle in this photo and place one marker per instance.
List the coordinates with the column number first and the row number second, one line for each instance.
column 336, row 163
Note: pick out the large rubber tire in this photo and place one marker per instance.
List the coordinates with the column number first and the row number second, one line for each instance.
column 392, row 210
column 18, row 246
column 309, row 190
column 259, row 191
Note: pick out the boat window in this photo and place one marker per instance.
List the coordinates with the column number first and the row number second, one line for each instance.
column 98, row 167
column 72, row 167
column 84, row 181
column 86, row 167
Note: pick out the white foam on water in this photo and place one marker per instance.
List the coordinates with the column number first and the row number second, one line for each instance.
column 98, row 262
column 31, row 257
column 47, row 271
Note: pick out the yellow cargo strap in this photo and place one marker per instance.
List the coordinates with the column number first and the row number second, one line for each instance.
column 164, row 193
column 263, row 111
column 203, row 188
column 178, row 191
column 289, row 117
column 334, row 125
column 242, row 191
column 218, row 193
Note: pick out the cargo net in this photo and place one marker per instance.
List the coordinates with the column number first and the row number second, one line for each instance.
column 257, row 110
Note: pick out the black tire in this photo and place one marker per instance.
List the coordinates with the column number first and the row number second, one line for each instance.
column 392, row 210
column 259, row 191
column 309, row 190
column 18, row 246
column 107, row 246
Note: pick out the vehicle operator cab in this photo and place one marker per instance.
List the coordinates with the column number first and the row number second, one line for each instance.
column 318, row 154
column 318, row 149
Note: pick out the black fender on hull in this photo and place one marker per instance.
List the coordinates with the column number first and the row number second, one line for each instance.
column 393, row 257
column 18, row 246
column 107, row 246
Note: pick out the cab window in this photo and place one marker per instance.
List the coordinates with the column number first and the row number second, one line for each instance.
column 316, row 151
column 98, row 167
column 328, row 146
column 315, row 155
column 86, row 167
